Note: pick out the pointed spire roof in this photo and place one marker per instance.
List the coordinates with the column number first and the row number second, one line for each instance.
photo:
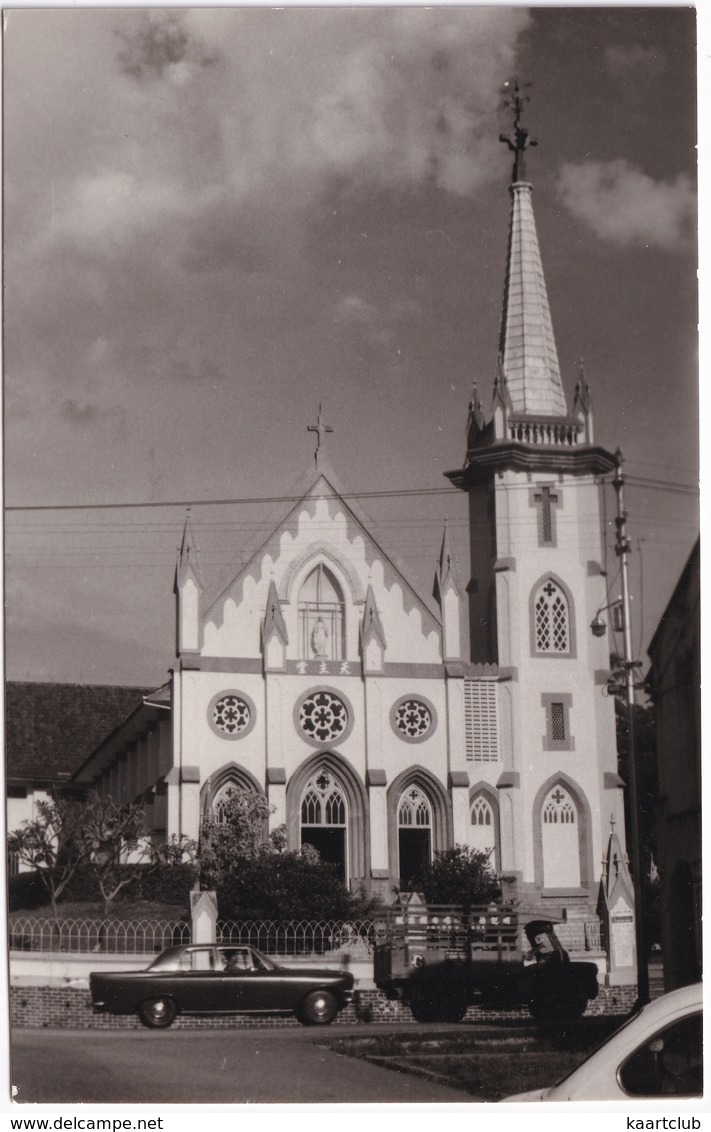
column 371, row 626
column 274, row 618
column 529, row 358
column 446, row 572
column 188, row 557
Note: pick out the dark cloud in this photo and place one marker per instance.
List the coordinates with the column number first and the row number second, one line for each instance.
column 217, row 239
column 162, row 42
column 76, row 413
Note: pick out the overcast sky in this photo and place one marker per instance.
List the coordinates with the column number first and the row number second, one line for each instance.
column 216, row 219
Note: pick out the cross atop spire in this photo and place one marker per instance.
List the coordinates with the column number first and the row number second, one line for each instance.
column 528, row 355
column 320, row 429
column 520, row 142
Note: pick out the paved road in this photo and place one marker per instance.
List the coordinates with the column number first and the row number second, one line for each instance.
column 212, row 1067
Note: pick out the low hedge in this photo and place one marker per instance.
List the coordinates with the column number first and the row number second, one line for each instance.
column 168, row 884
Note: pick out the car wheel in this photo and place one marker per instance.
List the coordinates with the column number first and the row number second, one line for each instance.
column 318, row 1008
column 157, row 1013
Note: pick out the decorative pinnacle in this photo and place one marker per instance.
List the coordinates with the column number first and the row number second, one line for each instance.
column 520, row 142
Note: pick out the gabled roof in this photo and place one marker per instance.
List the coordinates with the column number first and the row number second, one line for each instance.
column 324, row 484
column 50, row 729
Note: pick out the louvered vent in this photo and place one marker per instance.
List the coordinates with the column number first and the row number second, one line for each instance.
column 480, row 721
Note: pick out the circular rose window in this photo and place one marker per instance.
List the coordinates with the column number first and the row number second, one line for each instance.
column 323, row 717
column 231, row 715
column 413, row 719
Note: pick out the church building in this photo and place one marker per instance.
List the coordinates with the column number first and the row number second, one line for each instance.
column 378, row 729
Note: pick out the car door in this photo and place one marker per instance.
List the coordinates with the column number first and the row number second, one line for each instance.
column 247, row 984
column 195, row 985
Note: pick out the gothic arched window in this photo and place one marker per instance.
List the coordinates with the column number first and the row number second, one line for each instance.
column 551, row 619
column 324, row 818
column 321, row 616
column 414, row 819
column 484, row 827
column 561, row 840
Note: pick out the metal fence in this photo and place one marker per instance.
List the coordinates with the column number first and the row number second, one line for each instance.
column 299, row 937
column 274, row 937
column 119, row 937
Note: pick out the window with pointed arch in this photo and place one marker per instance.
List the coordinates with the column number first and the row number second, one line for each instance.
column 321, row 617
column 414, row 820
column 560, row 840
column 484, row 832
column 220, row 803
column 324, row 819
column 551, row 628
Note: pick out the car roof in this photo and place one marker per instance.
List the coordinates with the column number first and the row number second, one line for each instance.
column 674, row 1000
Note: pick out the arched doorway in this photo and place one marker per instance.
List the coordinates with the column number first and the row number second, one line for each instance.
column 324, row 819
column 414, row 821
column 560, row 840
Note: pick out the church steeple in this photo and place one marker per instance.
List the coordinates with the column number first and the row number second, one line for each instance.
column 188, row 587
column 529, row 359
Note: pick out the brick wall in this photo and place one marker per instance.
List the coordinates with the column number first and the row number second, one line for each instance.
column 70, row 1009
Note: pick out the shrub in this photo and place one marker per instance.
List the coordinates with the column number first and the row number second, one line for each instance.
column 26, row 891
column 457, row 876
column 287, row 886
column 167, row 884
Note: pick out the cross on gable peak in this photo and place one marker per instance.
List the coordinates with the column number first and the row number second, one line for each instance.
column 320, row 428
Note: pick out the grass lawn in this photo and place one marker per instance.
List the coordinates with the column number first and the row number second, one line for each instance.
column 486, row 1062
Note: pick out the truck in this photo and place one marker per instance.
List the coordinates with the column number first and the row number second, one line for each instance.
column 439, row 960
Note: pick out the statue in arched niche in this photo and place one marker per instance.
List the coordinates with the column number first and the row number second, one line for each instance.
column 319, row 637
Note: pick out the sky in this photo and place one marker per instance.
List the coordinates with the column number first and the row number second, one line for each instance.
column 217, row 219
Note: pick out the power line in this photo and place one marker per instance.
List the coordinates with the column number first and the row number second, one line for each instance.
column 397, row 493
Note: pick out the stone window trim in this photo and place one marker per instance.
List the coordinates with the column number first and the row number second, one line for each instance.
column 243, row 729
column 557, row 707
column 441, row 810
column 421, row 710
column 546, row 498
column 484, row 791
column 564, row 654
column 356, row 796
column 334, row 738
column 584, row 826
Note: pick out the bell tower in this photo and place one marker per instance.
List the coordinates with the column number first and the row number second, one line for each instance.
column 534, row 481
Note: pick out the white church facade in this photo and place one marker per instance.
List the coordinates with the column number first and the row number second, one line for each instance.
column 378, row 729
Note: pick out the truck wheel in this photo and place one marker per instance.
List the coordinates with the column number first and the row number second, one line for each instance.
column 318, row 1009
column 453, row 1008
column 157, row 1013
column 425, row 1004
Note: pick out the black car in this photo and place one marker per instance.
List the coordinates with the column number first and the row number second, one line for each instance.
column 217, row 979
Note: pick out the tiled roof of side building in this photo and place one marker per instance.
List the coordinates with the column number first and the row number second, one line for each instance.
column 51, row 729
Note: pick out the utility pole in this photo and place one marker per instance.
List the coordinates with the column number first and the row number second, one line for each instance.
column 622, row 550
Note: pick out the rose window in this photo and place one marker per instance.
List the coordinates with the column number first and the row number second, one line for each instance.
column 413, row 718
column 230, row 714
column 323, row 717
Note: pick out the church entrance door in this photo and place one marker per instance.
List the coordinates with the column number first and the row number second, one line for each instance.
column 414, row 833
column 324, row 820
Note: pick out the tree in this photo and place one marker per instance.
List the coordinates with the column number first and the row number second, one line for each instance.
column 238, row 835
column 51, row 844
column 96, row 836
column 117, row 847
column 457, row 876
column 257, row 877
